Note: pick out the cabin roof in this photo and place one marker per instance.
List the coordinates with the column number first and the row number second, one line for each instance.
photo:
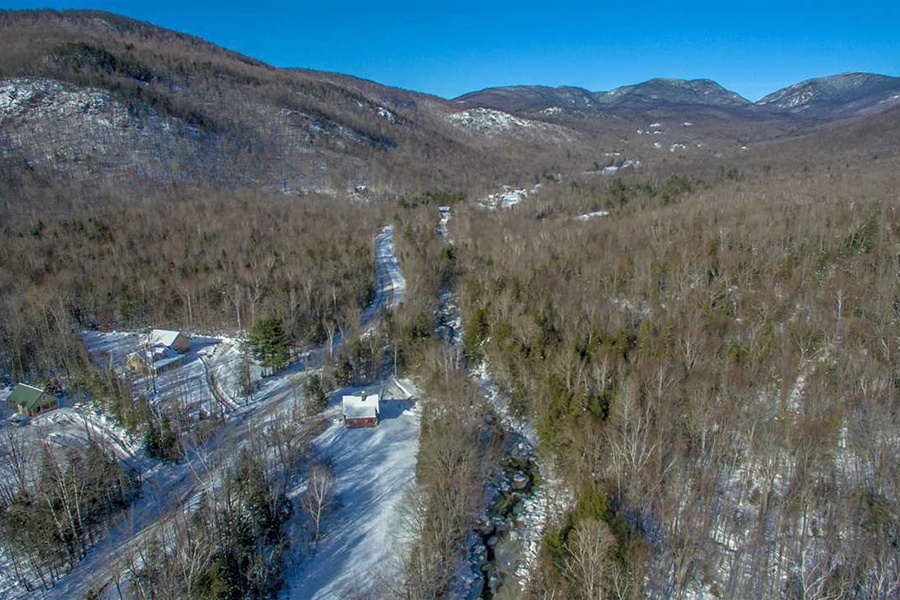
column 360, row 407
column 26, row 396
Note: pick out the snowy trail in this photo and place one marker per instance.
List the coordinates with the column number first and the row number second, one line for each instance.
column 214, row 390
column 372, row 468
column 163, row 490
column 390, row 285
column 168, row 488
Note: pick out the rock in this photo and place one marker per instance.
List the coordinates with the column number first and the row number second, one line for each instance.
column 520, row 480
column 487, row 528
column 494, row 580
column 492, row 541
column 476, row 590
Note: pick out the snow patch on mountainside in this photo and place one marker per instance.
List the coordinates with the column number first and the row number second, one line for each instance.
column 792, row 97
column 79, row 131
column 599, row 214
column 48, row 99
column 489, row 121
column 836, row 94
column 506, row 198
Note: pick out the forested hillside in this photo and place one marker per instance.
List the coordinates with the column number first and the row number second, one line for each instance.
column 94, row 98
column 198, row 261
column 713, row 366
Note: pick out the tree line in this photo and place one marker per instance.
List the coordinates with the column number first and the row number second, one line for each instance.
column 200, row 263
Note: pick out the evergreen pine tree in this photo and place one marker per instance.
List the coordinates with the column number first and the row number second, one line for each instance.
column 270, row 344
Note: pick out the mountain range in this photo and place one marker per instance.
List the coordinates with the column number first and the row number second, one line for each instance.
column 824, row 98
column 89, row 97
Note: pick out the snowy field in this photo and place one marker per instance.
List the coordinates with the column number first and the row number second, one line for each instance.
column 373, row 468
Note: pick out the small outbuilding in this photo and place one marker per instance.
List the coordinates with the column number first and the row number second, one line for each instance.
column 30, row 401
column 361, row 411
column 176, row 340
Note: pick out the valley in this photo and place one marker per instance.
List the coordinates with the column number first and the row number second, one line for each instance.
column 285, row 333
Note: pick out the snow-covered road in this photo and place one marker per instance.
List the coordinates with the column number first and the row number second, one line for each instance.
column 373, row 468
column 390, row 285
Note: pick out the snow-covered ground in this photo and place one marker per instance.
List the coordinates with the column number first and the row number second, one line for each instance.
column 189, row 384
column 373, row 468
column 64, row 429
column 599, row 214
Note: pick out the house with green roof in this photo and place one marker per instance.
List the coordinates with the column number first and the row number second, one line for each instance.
column 31, row 401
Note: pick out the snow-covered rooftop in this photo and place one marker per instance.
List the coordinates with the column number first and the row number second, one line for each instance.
column 361, row 407
column 162, row 337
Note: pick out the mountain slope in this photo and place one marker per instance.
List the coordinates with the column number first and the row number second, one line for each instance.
column 528, row 97
column 844, row 95
column 824, row 98
column 674, row 91
column 162, row 108
column 90, row 98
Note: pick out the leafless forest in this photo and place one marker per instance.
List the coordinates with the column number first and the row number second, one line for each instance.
column 711, row 364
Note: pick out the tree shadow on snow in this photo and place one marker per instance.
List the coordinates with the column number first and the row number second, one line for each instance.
column 391, row 409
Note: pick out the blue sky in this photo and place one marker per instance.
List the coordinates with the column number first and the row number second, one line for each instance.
column 752, row 49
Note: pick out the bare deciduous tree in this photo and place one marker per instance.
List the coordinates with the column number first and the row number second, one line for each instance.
column 318, row 498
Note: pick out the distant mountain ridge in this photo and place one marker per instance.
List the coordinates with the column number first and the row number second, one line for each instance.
column 675, row 91
column 843, row 95
column 87, row 96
